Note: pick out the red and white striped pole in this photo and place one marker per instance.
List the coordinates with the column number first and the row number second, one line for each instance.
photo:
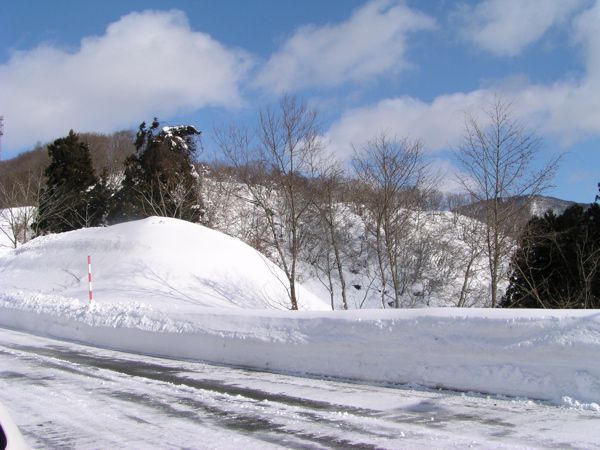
column 90, row 275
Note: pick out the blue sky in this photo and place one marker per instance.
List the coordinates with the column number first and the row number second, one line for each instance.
column 407, row 68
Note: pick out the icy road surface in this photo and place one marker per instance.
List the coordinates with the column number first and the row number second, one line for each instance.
column 65, row 395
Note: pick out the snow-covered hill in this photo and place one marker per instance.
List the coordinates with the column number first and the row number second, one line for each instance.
column 535, row 205
column 162, row 262
column 440, row 253
column 539, row 204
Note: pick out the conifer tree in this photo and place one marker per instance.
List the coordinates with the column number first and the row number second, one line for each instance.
column 160, row 178
column 557, row 264
column 72, row 197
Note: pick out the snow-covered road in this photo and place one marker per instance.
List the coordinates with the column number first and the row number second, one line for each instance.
column 64, row 395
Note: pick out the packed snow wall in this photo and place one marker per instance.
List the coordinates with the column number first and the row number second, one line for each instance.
column 535, row 354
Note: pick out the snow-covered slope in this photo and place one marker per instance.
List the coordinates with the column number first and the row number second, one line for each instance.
column 539, row 204
column 441, row 252
column 160, row 262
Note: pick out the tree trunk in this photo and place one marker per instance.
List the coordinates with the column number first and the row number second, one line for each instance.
column 338, row 263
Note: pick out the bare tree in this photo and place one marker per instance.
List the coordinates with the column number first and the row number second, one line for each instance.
column 326, row 190
column 467, row 259
column 170, row 198
column 497, row 156
column 23, row 197
column 229, row 207
column 18, row 198
column 109, row 151
column 470, row 232
column 392, row 172
column 274, row 164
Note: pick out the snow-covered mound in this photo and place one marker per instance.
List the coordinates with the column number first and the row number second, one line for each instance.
column 158, row 262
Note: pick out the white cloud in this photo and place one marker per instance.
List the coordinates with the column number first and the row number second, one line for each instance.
column 146, row 64
column 506, row 27
column 372, row 41
column 573, row 106
column 566, row 110
column 561, row 111
column 438, row 124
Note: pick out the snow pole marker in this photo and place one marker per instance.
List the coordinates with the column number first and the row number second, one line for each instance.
column 90, row 275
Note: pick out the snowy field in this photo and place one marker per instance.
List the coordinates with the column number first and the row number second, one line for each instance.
column 168, row 288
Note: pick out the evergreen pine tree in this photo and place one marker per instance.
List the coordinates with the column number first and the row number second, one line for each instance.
column 160, row 178
column 557, row 264
column 72, row 197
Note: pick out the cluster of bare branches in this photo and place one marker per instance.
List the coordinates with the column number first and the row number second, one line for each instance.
column 392, row 175
column 273, row 163
column 18, row 214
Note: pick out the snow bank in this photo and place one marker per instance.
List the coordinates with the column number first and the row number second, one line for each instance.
column 169, row 288
column 536, row 354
